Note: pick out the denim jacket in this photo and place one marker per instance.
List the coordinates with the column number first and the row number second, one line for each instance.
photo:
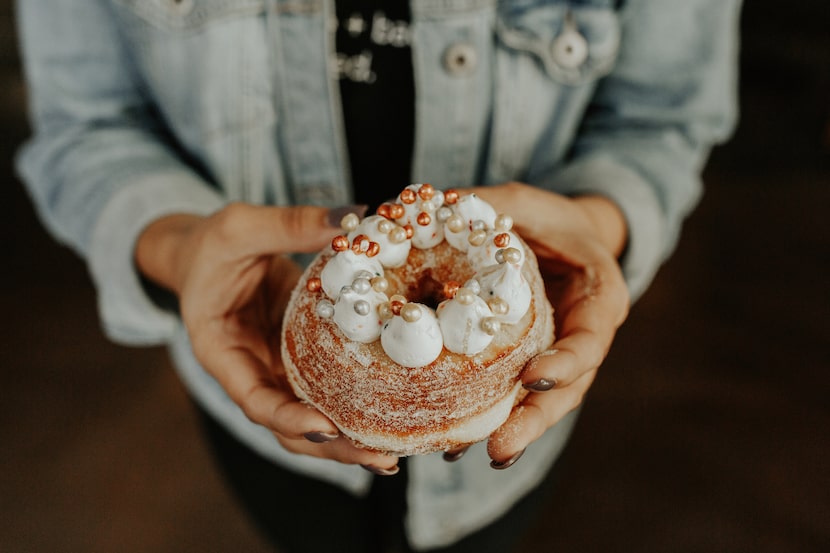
column 142, row 108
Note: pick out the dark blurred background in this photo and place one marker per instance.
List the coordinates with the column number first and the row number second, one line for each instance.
column 707, row 430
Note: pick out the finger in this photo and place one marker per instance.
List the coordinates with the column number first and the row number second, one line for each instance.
column 344, row 451
column 532, row 417
column 249, row 384
column 281, row 229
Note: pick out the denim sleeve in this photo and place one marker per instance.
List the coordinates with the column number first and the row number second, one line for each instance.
column 98, row 165
column 653, row 120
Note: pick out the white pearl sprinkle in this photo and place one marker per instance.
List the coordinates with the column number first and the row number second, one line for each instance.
column 490, row 325
column 362, row 307
column 411, row 312
column 325, row 309
column 473, row 286
column 361, row 285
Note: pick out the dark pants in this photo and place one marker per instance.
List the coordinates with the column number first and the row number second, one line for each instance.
column 300, row 514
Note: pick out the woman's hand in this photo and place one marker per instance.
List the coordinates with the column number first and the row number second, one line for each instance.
column 233, row 282
column 577, row 242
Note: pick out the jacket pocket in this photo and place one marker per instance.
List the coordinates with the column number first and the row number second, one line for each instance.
column 189, row 16
column 574, row 43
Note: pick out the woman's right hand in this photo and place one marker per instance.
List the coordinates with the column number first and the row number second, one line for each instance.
column 233, row 279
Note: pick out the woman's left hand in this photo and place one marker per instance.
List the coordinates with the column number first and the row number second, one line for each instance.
column 577, row 242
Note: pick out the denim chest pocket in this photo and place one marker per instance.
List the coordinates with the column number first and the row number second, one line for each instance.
column 574, row 42
column 189, row 16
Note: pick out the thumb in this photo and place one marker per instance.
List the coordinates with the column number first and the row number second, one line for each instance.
column 290, row 229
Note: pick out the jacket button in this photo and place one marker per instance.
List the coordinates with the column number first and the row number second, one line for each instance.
column 182, row 7
column 460, row 59
column 569, row 49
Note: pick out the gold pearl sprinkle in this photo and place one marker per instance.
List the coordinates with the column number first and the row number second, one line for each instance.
column 408, row 196
column 340, row 243
column 426, row 192
column 451, row 288
column 313, row 284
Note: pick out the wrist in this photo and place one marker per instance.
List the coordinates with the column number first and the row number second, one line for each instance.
column 158, row 252
column 608, row 221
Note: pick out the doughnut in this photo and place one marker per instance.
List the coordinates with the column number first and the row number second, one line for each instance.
column 410, row 332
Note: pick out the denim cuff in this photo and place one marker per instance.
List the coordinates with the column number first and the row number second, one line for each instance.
column 128, row 313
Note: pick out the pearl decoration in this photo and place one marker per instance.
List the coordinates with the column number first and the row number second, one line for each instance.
column 424, row 219
column 456, row 223
column 361, row 285
column 477, row 237
column 498, row 306
column 408, row 196
column 385, row 226
column 385, row 311
column 397, row 235
column 426, row 192
column 362, row 307
column 473, row 286
column 478, row 224
column 373, row 249
column 325, row 309
column 451, row 196
column 490, row 325
column 396, row 211
column 385, row 211
column 503, row 222
column 451, row 287
column 340, row 243
column 443, row 214
column 411, row 312
column 512, row 255
column 465, row 296
column 380, row 284
column 502, row 240
column 349, row 222
column 499, row 256
column 313, row 284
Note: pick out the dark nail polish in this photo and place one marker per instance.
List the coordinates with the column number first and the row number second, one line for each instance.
column 320, row 437
column 501, row 465
column 541, row 385
column 381, row 471
column 453, row 456
column 336, row 214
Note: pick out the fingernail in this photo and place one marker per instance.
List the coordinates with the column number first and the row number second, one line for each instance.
column 453, row 456
column 336, row 214
column 541, row 385
column 320, row 437
column 381, row 471
column 501, row 465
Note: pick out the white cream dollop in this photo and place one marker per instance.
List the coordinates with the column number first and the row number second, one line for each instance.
column 505, row 281
column 343, row 268
column 357, row 315
column 429, row 235
column 470, row 208
column 413, row 344
column 461, row 325
column 390, row 254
